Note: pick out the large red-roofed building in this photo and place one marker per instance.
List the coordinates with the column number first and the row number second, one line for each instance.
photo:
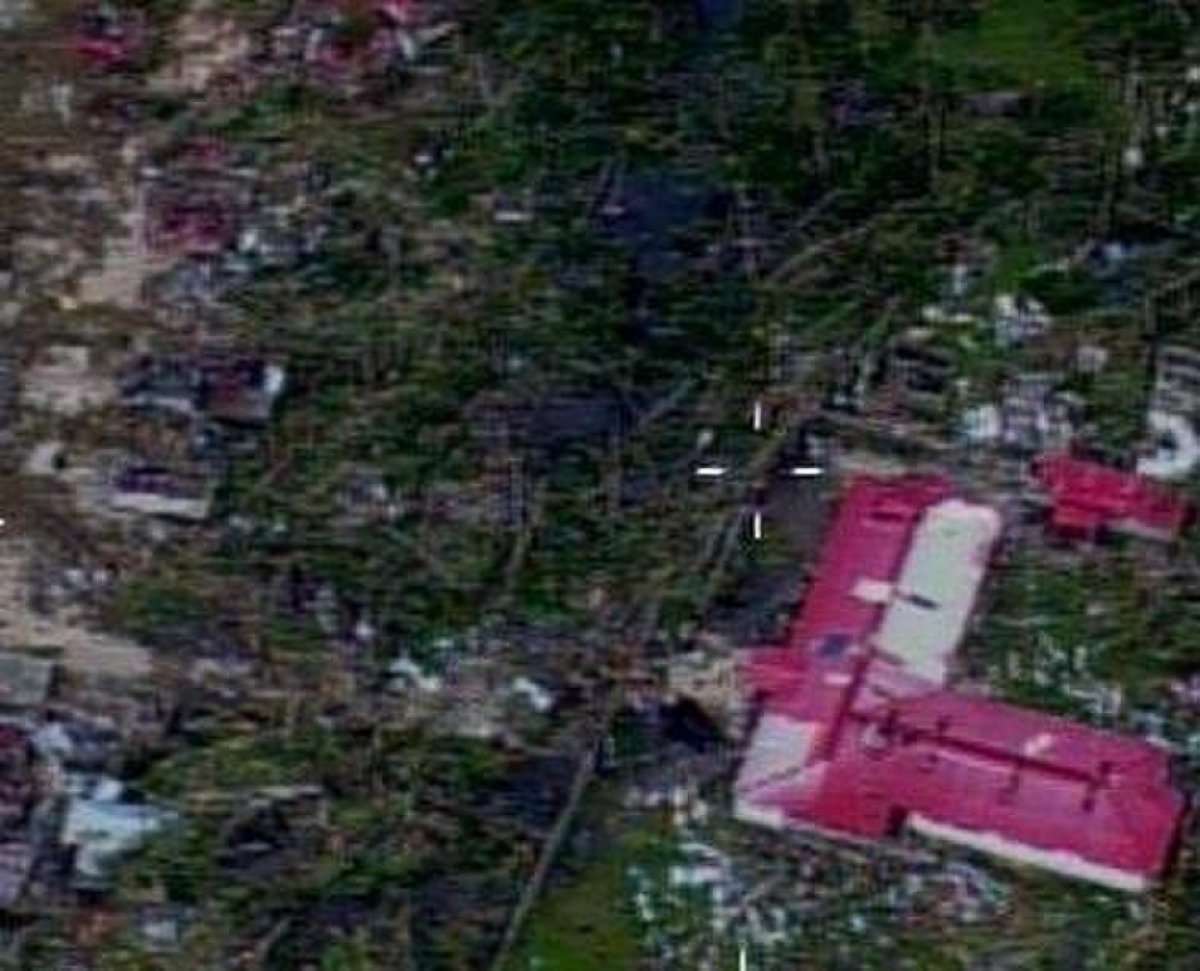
column 860, row 738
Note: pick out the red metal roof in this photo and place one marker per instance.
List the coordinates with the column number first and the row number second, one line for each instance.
column 890, row 748
column 1087, row 496
column 871, row 747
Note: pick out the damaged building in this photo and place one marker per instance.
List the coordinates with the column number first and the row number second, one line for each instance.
column 229, row 388
column 155, row 489
column 101, row 825
column 1087, row 499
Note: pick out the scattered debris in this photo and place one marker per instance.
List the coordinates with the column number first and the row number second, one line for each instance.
column 13, row 12
column 46, row 459
column 25, row 680
column 1177, row 450
column 538, row 697
column 1018, row 319
column 1176, row 387
column 404, row 671
column 1036, row 416
column 62, row 380
column 710, row 680
column 17, row 861
column 161, row 928
column 918, row 369
column 101, row 827
column 110, row 39
column 209, row 48
column 1091, row 358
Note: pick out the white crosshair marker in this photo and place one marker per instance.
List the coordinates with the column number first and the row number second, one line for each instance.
column 757, row 421
column 743, row 961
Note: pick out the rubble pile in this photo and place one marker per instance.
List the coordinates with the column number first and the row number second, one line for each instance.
column 109, row 38
column 711, row 899
column 59, row 813
column 349, row 46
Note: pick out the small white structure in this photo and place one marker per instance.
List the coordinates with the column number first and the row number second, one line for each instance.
column 982, row 425
column 405, row 671
column 539, row 699
column 1177, row 451
column 1016, row 319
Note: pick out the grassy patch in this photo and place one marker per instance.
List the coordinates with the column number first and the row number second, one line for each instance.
column 1033, row 42
column 1052, row 632
column 587, row 924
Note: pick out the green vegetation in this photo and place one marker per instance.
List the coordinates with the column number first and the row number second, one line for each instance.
column 1030, row 43
column 1107, row 623
column 827, row 158
column 587, row 923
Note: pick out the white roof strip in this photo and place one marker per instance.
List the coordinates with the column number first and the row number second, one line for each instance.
column 1060, row 861
column 936, row 589
column 778, row 751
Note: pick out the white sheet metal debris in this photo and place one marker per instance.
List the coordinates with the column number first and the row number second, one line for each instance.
column 101, row 828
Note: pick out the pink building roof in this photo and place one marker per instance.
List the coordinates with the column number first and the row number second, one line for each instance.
column 1087, row 497
column 859, row 743
column 874, row 752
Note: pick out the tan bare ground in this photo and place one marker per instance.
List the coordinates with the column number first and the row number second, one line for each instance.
column 81, row 649
column 209, row 46
column 126, row 265
column 64, row 381
column 69, row 163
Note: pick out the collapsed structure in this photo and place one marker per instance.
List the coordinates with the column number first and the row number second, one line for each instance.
column 859, row 736
column 108, row 39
